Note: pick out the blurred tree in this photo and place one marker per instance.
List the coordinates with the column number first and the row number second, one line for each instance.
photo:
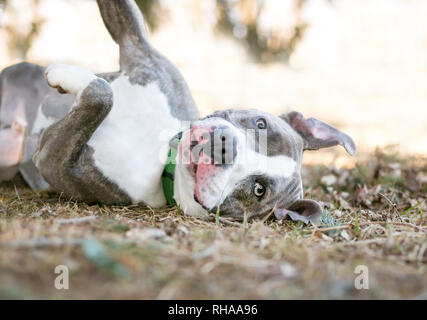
column 241, row 20
column 21, row 37
column 151, row 10
column 237, row 18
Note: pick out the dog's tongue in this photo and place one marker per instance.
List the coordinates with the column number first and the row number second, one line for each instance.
column 204, row 189
column 206, row 172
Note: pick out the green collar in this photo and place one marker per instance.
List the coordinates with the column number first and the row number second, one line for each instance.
column 169, row 171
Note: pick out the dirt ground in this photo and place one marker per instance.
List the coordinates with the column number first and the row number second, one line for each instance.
column 374, row 215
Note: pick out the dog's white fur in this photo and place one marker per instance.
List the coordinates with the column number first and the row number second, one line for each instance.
column 70, row 78
column 127, row 147
column 41, row 122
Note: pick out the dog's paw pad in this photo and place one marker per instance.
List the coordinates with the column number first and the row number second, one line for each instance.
column 68, row 78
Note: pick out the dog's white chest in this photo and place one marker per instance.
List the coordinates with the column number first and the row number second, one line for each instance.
column 130, row 146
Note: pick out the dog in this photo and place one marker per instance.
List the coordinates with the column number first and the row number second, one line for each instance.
column 135, row 136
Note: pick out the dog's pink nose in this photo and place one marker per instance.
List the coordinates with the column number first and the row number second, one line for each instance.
column 201, row 134
column 213, row 144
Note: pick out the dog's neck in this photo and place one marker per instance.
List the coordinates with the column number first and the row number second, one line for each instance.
column 168, row 176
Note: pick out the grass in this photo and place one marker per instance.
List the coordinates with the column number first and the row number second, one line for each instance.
column 374, row 215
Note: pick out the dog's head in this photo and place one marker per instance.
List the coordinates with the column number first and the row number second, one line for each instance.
column 244, row 162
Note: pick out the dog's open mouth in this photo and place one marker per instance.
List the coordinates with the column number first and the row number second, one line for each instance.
column 200, row 166
column 193, row 154
column 208, row 151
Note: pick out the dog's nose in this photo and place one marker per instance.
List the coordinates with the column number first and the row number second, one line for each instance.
column 216, row 144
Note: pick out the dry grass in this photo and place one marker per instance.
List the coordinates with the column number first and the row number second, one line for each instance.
column 375, row 215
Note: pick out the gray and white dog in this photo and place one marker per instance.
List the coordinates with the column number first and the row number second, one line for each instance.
column 103, row 138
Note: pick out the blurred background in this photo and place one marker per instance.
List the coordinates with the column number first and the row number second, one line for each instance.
column 359, row 65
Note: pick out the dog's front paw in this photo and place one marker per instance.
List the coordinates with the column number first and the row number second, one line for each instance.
column 67, row 78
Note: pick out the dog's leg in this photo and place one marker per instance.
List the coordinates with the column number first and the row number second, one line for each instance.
column 22, row 89
column 65, row 139
column 12, row 145
column 63, row 157
column 13, row 126
column 140, row 61
column 126, row 25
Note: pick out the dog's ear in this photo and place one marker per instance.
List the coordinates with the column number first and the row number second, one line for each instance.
column 317, row 134
column 301, row 210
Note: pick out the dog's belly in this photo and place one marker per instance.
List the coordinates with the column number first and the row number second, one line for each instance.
column 131, row 144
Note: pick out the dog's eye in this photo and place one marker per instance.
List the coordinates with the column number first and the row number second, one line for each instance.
column 261, row 124
column 259, row 190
